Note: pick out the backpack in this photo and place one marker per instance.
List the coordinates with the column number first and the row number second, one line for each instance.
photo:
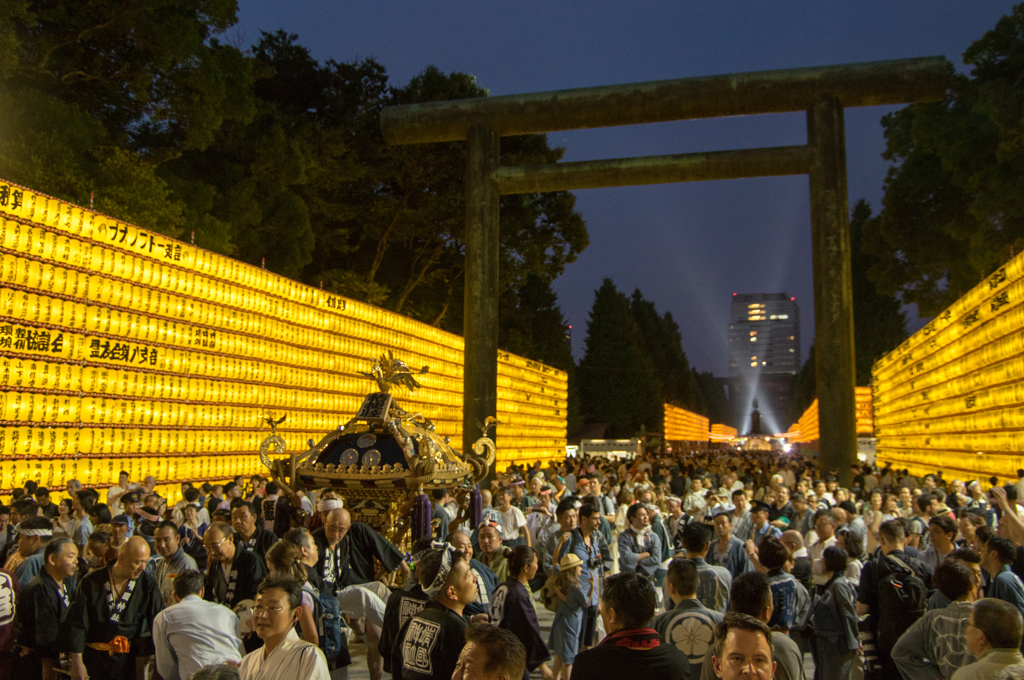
column 327, row 616
column 902, row 600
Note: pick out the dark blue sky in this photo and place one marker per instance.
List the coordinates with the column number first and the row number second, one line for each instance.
column 688, row 247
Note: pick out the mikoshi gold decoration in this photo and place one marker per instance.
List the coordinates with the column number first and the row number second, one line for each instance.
column 385, row 455
column 951, row 397
column 121, row 348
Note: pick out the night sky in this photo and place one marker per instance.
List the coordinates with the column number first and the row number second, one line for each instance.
column 688, row 247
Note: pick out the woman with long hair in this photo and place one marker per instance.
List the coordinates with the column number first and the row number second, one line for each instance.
column 512, row 608
column 285, row 559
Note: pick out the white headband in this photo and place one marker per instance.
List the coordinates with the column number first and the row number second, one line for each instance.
column 35, row 532
column 448, row 556
column 331, row 504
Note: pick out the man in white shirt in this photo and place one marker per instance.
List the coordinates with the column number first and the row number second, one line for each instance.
column 115, row 492
column 194, row 633
column 513, row 521
column 825, row 527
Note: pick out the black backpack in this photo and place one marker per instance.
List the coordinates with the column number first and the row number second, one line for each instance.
column 902, row 600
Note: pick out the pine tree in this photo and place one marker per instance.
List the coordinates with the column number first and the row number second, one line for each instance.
column 618, row 385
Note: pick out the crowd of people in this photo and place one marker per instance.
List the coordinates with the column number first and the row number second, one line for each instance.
column 724, row 564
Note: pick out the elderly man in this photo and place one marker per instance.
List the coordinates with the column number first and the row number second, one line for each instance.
column 347, row 551
column 631, row 649
column 486, row 581
column 41, row 606
column 695, row 504
column 994, row 631
column 106, row 628
column 33, row 535
column 233, row 573
column 194, row 633
column 172, row 560
column 491, row 653
column 249, row 535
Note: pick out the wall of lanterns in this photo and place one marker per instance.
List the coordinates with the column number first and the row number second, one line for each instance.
column 720, row 432
column 806, row 429
column 684, row 426
column 951, row 397
column 123, row 349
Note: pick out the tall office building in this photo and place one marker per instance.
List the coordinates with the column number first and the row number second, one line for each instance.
column 764, row 355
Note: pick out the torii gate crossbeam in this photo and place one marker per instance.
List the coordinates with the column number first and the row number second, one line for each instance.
column 822, row 92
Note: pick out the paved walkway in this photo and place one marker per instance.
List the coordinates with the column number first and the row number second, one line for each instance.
column 358, row 671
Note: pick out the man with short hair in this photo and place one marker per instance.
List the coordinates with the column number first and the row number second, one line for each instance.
column 194, row 633
column 567, row 517
column 941, row 533
column 231, row 492
column 131, row 502
column 106, row 628
column 743, row 645
column 933, row 647
column 695, row 505
column 993, row 634
column 752, row 595
column 249, row 535
column 584, row 543
column 41, row 607
column 996, row 558
column 825, row 528
column 233, row 573
column 639, row 546
column 513, row 521
column 892, row 541
column 687, row 624
column 852, row 522
column 486, row 580
column 491, row 653
column 759, row 516
column 33, row 535
column 713, row 582
column 803, row 516
column 7, row 533
column 115, row 493
column 431, row 642
column 631, row 649
column 727, row 550
column 347, row 551
column 46, row 508
column 172, row 560
column 917, row 530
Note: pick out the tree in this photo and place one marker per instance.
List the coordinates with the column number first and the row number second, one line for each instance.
column 879, row 324
column 97, row 94
column 953, row 209
column 712, row 392
column 662, row 342
column 618, row 385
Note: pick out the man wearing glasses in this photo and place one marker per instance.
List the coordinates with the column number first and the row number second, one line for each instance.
column 233, row 574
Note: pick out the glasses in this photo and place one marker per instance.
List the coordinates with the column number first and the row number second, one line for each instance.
column 260, row 609
column 216, row 544
column 967, row 622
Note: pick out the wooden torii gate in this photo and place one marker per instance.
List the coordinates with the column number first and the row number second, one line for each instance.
column 823, row 92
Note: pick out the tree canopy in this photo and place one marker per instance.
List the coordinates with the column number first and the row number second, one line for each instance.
column 953, row 209
column 266, row 154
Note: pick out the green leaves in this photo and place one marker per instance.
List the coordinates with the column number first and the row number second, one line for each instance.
column 953, row 209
